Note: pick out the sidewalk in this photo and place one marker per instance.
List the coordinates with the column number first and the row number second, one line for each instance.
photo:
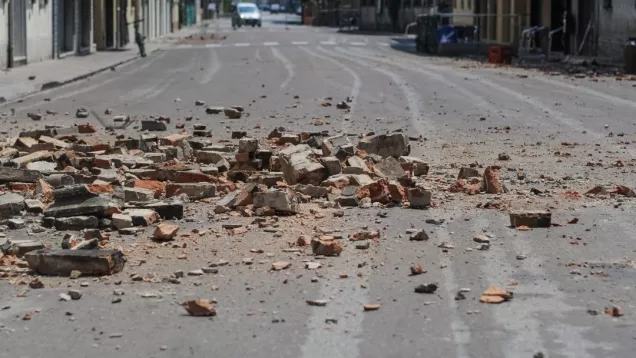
column 15, row 83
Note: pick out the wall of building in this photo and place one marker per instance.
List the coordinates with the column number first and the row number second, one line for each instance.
column 4, row 33
column 615, row 26
column 38, row 30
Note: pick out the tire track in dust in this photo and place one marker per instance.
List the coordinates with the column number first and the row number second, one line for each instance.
column 209, row 73
column 420, row 122
column 288, row 66
column 355, row 87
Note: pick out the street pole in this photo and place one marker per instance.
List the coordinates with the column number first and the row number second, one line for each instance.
column 286, row 11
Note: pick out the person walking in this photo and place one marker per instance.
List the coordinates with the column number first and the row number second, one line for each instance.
column 139, row 39
column 568, row 32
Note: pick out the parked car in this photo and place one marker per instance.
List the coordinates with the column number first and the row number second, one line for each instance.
column 247, row 14
column 264, row 7
column 274, row 8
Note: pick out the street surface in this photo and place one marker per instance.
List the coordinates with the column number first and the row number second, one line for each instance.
column 565, row 133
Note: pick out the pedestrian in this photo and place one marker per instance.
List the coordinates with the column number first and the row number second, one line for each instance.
column 212, row 9
column 568, row 32
column 139, row 39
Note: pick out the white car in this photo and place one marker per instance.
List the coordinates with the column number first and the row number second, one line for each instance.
column 274, row 8
column 249, row 14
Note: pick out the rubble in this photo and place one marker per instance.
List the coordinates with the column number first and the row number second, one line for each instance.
column 531, row 219
column 300, row 166
column 326, row 246
column 20, row 247
column 63, row 262
column 495, row 294
column 279, row 200
column 419, row 198
column 491, row 183
column 200, row 308
column 10, row 204
column 427, row 288
column 165, row 232
column 391, row 145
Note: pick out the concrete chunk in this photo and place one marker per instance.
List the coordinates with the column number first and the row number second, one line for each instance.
column 76, row 223
column 88, row 262
column 8, row 175
column 390, row 145
column 194, row 191
column 20, row 247
column 248, row 145
column 279, row 200
column 138, row 194
column 11, row 204
column 97, row 206
column 531, row 219
column 153, row 126
column 142, row 217
column 419, row 198
column 33, row 157
column 389, row 168
column 299, row 165
column 356, row 165
column 332, row 164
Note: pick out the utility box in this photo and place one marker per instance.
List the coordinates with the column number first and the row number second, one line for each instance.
column 500, row 54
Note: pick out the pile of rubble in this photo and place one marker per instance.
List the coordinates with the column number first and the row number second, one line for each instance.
column 63, row 179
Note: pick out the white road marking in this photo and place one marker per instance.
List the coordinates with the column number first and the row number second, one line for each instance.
column 213, row 45
column 328, row 43
column 288, row 66
column 358, row 43
column 384, row 44
column 242, row 44
column 273, row 43
column 209, row 73
column 300, row 43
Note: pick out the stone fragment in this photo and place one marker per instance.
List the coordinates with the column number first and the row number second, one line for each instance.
column 419, row 198
column 194, row 191
column 75, row 294
column 138, row 194
column 416, row 269
column 495, row 294
column 167, row 210
column 356, row 165
column 377, row 191
column 311, row 190
column 214, row 110
column 88, row 262
column 76, row 223
column 11, row 204
column 427, row 288
column 280, row 265
column 97, row 206
column 391, row 145
column 22, row 161
column 326, row 246
column 165, row 231
column 232, row 113
column 122, row 221
column 371, row 307
column 348, row 197
column 419, row 235
column 299, row 165
column 200, row 308
column 142, row 217
column 390, row 168
column 280, row 200
column 12, row 175
column 81, row 113
column 332, row 164
column 20, row 247
column 491, row 183
column 467, row 173
column 531, row 219
column 153, row 125
column 248, row 145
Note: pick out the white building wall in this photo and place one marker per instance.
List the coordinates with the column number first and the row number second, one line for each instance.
column 39, row 31
column 616, row 25
column 4, row 33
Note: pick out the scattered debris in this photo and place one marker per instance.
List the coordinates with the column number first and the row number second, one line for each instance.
column 495, row 294
column 200, row 308
column 427, row 288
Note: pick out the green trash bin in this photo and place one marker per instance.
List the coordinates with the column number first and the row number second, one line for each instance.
column 630, row 56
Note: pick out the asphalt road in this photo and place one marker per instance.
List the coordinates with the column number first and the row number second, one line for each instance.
column 282, row 74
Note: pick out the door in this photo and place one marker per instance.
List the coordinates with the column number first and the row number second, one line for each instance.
column 18, row 32
column 66, row 26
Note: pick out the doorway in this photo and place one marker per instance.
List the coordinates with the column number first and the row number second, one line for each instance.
column 585, row 16
column 18, row 34
column 66, row 26
column 85, row 27
column 109, row 9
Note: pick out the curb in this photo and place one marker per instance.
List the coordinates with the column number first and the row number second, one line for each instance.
column 56, row 84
